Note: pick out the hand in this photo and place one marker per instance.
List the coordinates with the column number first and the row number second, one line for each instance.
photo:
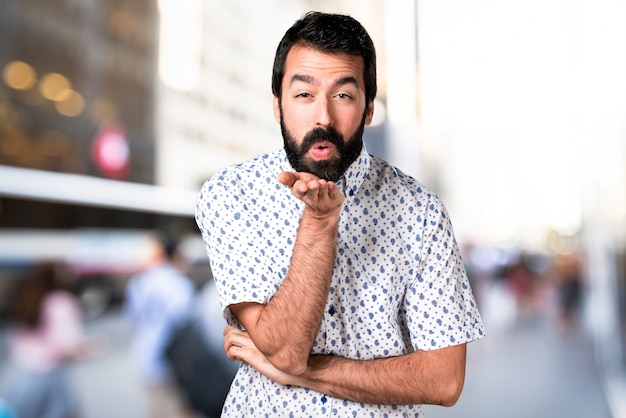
column 239, row 346
column 321, row 196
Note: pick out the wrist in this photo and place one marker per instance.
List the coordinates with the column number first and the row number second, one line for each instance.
column 320, row 220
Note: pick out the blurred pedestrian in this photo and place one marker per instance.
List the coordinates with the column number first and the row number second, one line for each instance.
column 521, row 283
column 158, row 300
column 45, row 335
column 197, row 358
column 569, row 290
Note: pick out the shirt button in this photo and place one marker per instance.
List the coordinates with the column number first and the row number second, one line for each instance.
column 324, row 400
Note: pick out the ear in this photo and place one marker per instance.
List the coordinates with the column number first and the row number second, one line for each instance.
column 277, row 109
column 370, row 113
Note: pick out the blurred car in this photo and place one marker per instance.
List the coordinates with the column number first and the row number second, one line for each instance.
column 101, row 260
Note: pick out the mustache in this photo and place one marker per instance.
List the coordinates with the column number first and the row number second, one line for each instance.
column 320, row 134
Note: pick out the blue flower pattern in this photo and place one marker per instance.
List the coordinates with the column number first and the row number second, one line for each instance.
column 398, row 282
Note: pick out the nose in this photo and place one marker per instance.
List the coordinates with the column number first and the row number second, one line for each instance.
column 324, row 114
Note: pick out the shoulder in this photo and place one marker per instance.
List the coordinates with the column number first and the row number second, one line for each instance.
column 396, row 182
column 242, row 182
column 61, row 297
column 61, row 303
column 255, row 172
column 257, row 167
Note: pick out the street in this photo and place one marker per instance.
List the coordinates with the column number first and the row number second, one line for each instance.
column 529, row 371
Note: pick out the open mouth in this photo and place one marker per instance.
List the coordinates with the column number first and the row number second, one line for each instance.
column 322, row 150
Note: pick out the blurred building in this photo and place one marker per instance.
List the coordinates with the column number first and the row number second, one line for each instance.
column 77, row 95
column 151, row 92
column 73, row 73
column 215, row 100
column 113, row 112
column 214, row 90
column 524, row 105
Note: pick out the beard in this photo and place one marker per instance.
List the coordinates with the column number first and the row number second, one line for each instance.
column 332, row 168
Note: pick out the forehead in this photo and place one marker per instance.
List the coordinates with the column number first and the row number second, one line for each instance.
column 320, row 66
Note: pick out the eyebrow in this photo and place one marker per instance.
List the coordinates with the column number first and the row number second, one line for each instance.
column 349, row 79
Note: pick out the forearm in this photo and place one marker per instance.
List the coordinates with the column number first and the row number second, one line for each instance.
column 287, row 326
column 423, row 377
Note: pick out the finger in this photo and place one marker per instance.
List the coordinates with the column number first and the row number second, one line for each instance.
column 332, row 190
column 322, row 190
column 233, row 337
column 232, row 334
column 227, row 329
column 315, row 184
column 238, row 347
column 287, row 178
column 230, row 355
column 239, row 338
column 232, row 348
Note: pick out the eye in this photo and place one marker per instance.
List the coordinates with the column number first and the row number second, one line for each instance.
column 344, row 96
column 303, row 94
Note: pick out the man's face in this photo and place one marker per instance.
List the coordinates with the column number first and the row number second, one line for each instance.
column 323, row 111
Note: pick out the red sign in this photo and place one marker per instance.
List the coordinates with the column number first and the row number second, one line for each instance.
column 110, row 151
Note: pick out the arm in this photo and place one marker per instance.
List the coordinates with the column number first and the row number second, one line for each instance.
column 285, row 328
column 63, row 329
column 423, row 377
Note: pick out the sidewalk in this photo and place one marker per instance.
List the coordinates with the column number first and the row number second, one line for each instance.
column 530, row 371
column 527, row 371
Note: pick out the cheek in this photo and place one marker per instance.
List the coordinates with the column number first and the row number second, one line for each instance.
column 349, row 124
column 296, row 123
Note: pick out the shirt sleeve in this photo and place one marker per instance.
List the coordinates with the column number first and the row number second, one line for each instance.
column 62, row 325
column 239, row 243
column 440, row 307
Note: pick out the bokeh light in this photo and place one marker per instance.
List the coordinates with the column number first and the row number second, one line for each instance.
column 19, row 75
column 69, row 103
column 54, row 86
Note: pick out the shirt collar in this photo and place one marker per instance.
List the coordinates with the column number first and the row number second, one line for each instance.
column 356, row 173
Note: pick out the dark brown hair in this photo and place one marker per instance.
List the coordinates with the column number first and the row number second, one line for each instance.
column 39, row 281
column 331, row 34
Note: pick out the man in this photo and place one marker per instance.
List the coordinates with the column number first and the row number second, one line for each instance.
column 339, row 274
column 159, row 299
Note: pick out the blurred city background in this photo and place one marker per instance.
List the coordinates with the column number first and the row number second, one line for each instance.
column 114, row 112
